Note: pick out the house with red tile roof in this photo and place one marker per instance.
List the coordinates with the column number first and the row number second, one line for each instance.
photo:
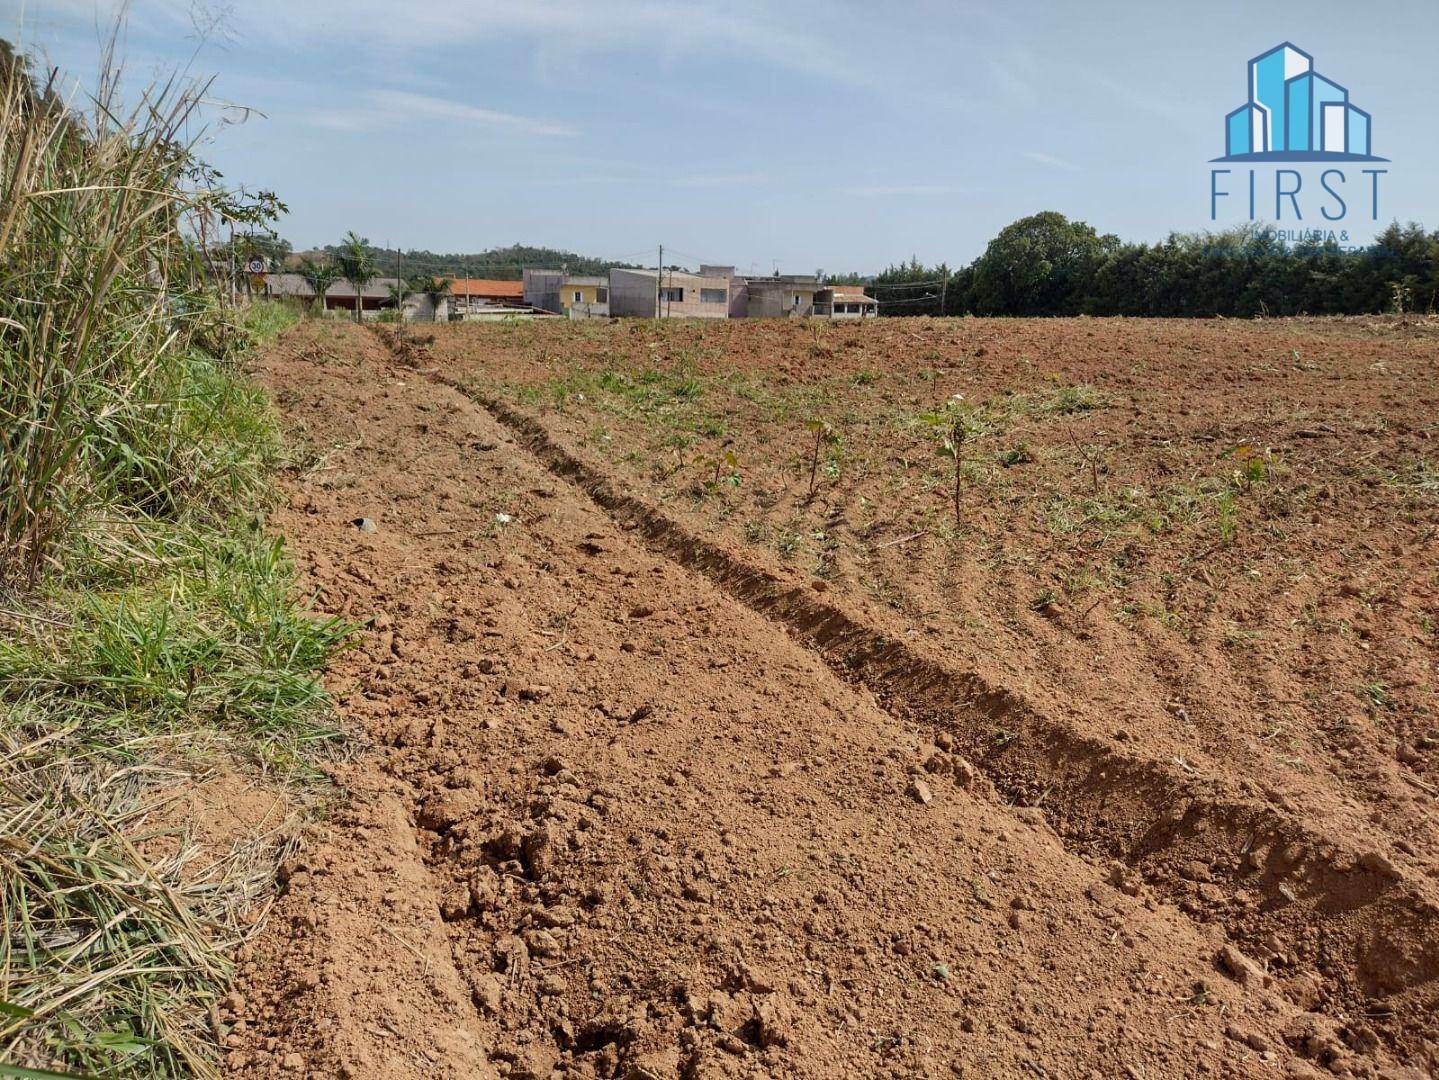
column 469, row 294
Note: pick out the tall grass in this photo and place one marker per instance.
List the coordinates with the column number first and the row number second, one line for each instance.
column 149, row 627
column 90, row 243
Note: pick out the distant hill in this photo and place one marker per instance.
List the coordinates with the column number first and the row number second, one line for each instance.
column 504, row 264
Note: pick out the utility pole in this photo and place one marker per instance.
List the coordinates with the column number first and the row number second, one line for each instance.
column 943, row 291
column 659, row 275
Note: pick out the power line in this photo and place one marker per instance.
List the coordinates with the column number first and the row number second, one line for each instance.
column 906, row 284
column 693, row 258
column 913, row 300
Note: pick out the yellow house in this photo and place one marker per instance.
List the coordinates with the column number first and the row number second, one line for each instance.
column 577, row 296
column 585, row 296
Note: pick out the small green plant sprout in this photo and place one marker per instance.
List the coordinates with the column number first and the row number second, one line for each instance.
column 1068, row 400
column 823, row 433
column 724, row 469
column 1377, row 694
column 1019, row 454
column 949, row 426
column 1250, row 464
column 1046, row 602
column 1225, row 516
column 819, row 350
column 1091, row 461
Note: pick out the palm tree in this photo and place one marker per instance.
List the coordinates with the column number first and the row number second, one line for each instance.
column 319, row 276
column 398, row 292
column 357, row 266
column 433, row 289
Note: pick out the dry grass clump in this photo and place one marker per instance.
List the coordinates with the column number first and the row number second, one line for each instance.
column 104, row 951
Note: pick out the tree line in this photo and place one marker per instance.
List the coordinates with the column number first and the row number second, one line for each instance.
column 497, row 264
column 1046, row 264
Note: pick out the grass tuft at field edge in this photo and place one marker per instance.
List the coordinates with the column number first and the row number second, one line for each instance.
column 164, row 644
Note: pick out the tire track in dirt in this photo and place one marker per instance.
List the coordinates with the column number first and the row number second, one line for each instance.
column 1350, row 935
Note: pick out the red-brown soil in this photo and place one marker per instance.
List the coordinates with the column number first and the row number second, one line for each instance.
column 652, row 795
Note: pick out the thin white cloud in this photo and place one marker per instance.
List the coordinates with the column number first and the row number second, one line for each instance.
column 882, row 191
column 563, row 40
column 1146, row 100
column 718, row 180
column 669, row 33
column 623, row 174
column 386, row 108
column 443, row 108
column 1050, row 161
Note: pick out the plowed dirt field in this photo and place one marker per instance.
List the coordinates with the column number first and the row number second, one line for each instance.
column 715, row 731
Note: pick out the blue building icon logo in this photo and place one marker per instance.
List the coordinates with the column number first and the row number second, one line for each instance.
column 1295, row 114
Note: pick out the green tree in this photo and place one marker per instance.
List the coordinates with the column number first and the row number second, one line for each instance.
column 1040, row 265
column 319, row 276
column 433, row 289
column 910, row 289
column 502, row 264
column 357, row 266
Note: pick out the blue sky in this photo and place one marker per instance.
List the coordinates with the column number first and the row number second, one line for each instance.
column 832, row 135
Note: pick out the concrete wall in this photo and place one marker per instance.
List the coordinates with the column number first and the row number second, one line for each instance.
column 775, row 300
column 419, row 309
column 542, row 289
column 738, row 298
column 632, row 293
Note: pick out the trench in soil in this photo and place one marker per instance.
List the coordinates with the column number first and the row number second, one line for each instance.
column 1282, row 889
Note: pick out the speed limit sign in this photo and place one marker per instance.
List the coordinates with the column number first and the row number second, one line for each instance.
column 256, row 265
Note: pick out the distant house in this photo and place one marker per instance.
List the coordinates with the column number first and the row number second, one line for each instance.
column 737, row 296
column 340, row 296
column 585, row 297
column 479, row 296
column 844, row 302
column 780, row 296
column 578, row 296
column 675, row 294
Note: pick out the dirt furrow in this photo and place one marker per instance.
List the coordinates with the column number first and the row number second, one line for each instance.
column 1340, row 927
column 650, row 834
